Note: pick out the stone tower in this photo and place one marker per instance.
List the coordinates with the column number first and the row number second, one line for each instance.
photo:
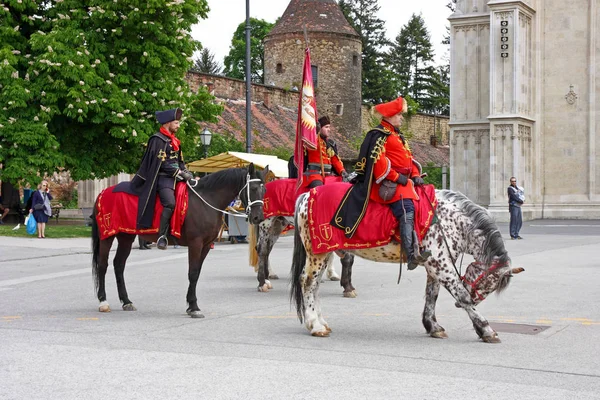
column 524, row 103
column 335, row 51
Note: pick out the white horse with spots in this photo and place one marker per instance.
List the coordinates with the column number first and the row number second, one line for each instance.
column 263, row 237
column 462, row 227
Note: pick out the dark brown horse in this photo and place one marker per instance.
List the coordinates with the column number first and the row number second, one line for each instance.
column 207, row 198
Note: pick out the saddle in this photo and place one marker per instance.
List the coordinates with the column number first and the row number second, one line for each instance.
column 378, row 227
column 116, row 211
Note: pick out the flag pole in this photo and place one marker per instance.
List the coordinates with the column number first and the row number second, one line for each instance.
column 316, row 118
column 248, row 83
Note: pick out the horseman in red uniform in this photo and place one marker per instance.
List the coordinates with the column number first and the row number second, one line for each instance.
column 386, row 174
column 323, row 160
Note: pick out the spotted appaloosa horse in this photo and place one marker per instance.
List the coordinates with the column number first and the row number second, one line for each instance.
column 263, row 238
column 462, row 224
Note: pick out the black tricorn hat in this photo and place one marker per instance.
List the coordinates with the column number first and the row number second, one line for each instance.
column 164, row 117
column 324, row 120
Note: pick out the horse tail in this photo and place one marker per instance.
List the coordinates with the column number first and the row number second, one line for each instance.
column 95, row 247
column 252, row 253
column 298, row 264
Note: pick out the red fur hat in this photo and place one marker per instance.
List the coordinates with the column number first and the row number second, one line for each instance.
column 392, row 108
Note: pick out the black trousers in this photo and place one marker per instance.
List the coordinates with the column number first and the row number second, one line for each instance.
column 166, row 191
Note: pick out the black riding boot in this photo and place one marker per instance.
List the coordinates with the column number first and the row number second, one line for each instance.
column 409, row 241
column 163, row 231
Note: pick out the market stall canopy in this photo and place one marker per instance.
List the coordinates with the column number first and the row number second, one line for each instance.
column 234, row 159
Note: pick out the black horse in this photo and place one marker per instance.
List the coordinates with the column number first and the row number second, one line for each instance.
column 201, row 226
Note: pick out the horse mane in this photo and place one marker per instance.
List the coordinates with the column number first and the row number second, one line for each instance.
column 222, row 178
column 481, row 221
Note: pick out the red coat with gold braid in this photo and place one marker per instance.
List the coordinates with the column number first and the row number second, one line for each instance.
column 394, row 158
column 331, row 162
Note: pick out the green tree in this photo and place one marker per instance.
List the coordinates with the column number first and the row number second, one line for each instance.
column 219, row 143
column 206, row 63
column 439, row 92
column 411, row 56
column 235, row 61
column 81, row 80
column 376, row 75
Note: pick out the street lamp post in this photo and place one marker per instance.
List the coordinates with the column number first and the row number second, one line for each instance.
column 205, row 137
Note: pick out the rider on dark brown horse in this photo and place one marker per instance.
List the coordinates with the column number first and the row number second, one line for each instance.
column 387, row 174
column 162, row 166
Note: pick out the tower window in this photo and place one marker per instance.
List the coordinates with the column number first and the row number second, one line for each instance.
column 355, row 60
column 279, row 68
column 315, row 74
column 339, row 109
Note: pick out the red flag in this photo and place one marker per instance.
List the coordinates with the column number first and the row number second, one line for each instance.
column 306, row 128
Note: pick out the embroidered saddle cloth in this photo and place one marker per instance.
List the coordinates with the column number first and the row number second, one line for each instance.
column 280, row 196
column 117, row 212
column 378, row 227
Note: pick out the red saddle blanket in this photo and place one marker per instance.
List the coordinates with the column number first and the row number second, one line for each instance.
column 377, row 228
column 117, row 212
column 280, row 196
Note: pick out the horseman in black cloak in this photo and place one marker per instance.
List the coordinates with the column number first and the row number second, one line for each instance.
column 162, row 166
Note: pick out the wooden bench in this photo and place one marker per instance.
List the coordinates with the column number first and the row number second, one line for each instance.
column 56, row 207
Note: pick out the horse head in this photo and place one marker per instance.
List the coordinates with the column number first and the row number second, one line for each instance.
column 253, row 192
column 481, row 280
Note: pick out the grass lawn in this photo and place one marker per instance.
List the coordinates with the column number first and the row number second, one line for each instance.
column 53, row 231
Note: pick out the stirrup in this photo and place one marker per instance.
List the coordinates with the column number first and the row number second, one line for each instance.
column 162, row 243
column 414, row 263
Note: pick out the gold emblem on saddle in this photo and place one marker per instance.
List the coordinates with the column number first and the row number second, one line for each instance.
column 326, row 231
column 106, row 219
column 162, row 155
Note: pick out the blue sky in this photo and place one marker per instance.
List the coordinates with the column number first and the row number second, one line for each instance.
column 216, row 32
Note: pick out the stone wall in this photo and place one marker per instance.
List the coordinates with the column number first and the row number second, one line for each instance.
column 229, row 88
column 337, row 58
column 422, row 126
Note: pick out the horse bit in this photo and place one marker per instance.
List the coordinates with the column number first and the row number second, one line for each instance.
column 235, row 213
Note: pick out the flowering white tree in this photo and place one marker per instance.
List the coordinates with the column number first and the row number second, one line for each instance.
column 80, row 81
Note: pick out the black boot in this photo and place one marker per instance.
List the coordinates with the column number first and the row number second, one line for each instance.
column 163, row 231
column 409, row 241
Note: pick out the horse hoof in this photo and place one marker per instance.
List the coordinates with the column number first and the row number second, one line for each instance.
column 195, row 314
column 268, row 283
column 334, row 278
column 439, row 335
column 129, row 307
column 264, row 288
column 491, row 339
column 273, row 276
column 351, row 294
column 328, row 328
column 320, row 334
column 104, row 308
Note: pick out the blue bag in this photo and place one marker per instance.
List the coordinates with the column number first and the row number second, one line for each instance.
column 31, row 224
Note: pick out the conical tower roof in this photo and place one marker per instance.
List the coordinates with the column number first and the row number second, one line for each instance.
column 316, row 15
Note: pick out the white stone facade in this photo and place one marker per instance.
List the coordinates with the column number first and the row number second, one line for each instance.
column 524, row 102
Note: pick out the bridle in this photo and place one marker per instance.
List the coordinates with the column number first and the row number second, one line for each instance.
column 247, row 187
column 248, row 207
column 482, row 275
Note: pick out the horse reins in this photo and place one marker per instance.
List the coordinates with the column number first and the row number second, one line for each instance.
column 235, row 213
column 443, row 235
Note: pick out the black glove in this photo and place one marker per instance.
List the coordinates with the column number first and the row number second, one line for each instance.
column 344, row 176
column 418, row 181
column 184, row 175
column 402, row 179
